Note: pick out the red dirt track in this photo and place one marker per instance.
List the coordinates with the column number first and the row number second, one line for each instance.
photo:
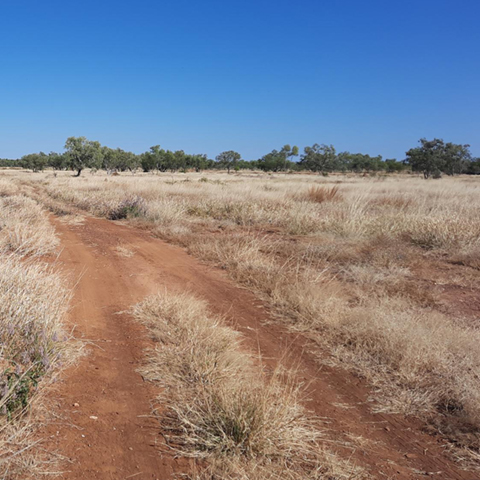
column 124, row 441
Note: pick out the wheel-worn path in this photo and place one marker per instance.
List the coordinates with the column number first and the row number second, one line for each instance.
column 107, row 431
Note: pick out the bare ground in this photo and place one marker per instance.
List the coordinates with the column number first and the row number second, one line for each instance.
column 106, row 430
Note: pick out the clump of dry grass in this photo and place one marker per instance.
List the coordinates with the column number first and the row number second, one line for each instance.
column 7, row 188
column 32, row 302
column 469, row 257
column 124, row 251
column 222, row 408
column 320, row 194
column 24, row 229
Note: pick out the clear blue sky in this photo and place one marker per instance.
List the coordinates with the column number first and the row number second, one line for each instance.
column 369, row 76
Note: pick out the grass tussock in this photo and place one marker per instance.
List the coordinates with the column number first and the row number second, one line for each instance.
column 319, row 194
column 23, row 227
column 220, row 405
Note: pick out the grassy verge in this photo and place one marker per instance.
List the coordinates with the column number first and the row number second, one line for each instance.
column 221, row 408
column 33, row 302
column 420, row 361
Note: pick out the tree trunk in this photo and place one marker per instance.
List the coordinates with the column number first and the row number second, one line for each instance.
column 79, row 171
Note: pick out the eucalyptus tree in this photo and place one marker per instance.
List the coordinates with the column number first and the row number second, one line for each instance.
column 127, row 161
column 57, row 161
column 34, row 161
column 457, row 158
column 289, row 152
column 436, row 156
column 278, row 160
column 428, row 158
column 228, row 159
column 319, row 158
column 82, row 153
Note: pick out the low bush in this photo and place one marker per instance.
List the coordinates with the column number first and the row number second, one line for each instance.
column 128, row 208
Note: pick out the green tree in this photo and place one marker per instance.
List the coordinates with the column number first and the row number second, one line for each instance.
column 179, row 161
column 392, row 166
column 34, row 161
column 128, row 161
column 7, row 162
column 119, row 160
column 278, row 160
column 57, row 161
column 228, row 159
column 272, row 162
column 474, row 167
column 151, row 160
column 198, row 162
column 319, row 158
column 168, row 161
column 82, row 153
column 428, row 158
column 435, row 156
column 457, row 158
column 289, row 152
column 109, row 159
column 359, row 162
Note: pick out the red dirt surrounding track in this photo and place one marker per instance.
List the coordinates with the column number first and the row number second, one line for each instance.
column 123, row 441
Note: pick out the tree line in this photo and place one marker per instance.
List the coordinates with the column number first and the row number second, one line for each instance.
column 432, row 158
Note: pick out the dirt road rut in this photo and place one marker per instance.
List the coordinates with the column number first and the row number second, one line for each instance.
column 107, row 431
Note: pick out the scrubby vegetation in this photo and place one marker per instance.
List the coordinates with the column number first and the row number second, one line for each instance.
column 432, row 158
column 221, row 407
column 33, row 302
column 357, row 264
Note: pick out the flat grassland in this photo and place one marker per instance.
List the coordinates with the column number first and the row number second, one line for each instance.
column 380, row 273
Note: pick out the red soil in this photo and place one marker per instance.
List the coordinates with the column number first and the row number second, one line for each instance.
column 124, row 441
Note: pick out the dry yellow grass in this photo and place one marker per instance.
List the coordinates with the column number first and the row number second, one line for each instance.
column 124, row 251
column 33, row 302
column 342, row 270
column 430, row 214
column 320, row 194
column 221, row 407
column 23, row 227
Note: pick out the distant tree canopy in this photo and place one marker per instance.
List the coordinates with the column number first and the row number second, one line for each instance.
column 158, row 159
column 35, row 161
column 119, row 160
column 434, row 157
column 9, row 163
column 228, row 159
column 82, row 153
column 319, row 158
column 276, row 161
column 431, row 158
